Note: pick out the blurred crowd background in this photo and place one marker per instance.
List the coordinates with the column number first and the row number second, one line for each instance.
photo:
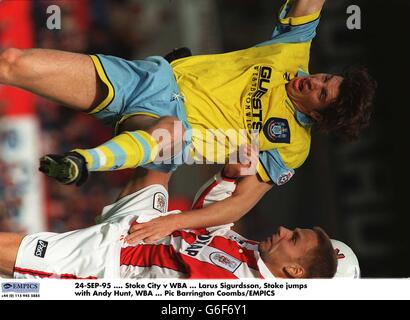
column 356, row 191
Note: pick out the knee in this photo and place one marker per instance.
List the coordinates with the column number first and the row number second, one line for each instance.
column 9, row 59
column 10, row 55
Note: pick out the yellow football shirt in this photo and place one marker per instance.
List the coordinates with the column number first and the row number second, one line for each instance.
column 246, row 90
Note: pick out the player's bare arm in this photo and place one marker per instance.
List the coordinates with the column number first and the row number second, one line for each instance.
column 302, row 8
column 248, row 192
column 9, row 245
column 10, row 242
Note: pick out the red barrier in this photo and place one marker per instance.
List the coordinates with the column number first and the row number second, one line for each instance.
column 16, row 30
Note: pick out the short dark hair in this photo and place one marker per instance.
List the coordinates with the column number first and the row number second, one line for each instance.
column 351, row 111
column 321, row 261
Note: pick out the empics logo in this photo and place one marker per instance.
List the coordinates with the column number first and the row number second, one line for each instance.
column 41, row 248
column 18, row 287
column 6, row 286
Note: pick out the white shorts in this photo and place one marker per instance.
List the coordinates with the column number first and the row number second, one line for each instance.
column 92, row 252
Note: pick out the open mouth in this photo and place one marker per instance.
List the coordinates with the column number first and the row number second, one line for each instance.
column 301, row 84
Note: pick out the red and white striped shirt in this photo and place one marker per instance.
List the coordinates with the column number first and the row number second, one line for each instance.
column 100, row 251
column 212, row 253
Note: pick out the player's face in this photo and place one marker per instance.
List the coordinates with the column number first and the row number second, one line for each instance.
column 287, row 246
column 314, row 92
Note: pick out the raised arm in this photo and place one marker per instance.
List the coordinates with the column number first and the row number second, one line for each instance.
column 300, row 8
column 249, row 190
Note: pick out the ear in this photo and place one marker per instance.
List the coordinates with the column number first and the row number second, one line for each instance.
column 315, row 115
column 294, row 271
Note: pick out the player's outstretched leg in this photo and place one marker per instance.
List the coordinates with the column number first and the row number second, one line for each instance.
column 64, row 77
column 129, row 149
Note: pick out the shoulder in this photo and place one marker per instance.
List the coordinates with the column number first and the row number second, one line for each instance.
column 295, row 153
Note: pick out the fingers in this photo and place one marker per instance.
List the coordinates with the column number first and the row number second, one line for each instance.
column 244, row 152
column 148, row 237
column 151, row 239
column 146, row 232
column 150, row 231
column 135, row 226
column 252, row 158
column 247, row 154
column 137, row 232
column 248, row 149
column 137, row 236
column 248, row 161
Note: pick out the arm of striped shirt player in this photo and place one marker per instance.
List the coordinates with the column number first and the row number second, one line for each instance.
column 249, row 190
column 217, row 208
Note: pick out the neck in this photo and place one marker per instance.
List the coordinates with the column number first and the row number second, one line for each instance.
column 273, row 269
